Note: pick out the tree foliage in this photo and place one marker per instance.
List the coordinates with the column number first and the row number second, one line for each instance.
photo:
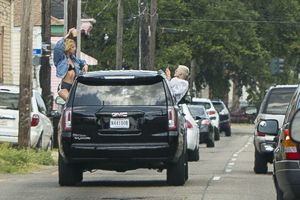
column 229, row 39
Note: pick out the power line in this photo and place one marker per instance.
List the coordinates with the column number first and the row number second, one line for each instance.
column 232, row 21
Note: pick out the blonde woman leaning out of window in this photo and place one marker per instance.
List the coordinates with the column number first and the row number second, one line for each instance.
column 68, row 66
column 179, row 84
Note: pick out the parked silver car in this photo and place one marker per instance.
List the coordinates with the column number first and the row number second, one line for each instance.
column 41, row 132
column 273, row 106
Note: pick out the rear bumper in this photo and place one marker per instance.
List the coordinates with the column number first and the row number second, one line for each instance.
column 138, row 154
column 287, row 174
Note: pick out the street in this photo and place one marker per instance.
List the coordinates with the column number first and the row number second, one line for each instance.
column 223, row 173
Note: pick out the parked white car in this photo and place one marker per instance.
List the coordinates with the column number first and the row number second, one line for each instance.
column 41, row 133
column 212, row 113
column 192, row 134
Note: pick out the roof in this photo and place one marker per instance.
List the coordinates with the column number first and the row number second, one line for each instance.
column 201, row 100
column 121, row 74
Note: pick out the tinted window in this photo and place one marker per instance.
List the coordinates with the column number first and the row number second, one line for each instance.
column 120, row 94
column 9, row 100
column 278, row 100
column 205, row 104
column 218, row 106
column 197, row 111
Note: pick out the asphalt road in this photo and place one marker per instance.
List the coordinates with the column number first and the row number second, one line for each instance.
column 223, row 173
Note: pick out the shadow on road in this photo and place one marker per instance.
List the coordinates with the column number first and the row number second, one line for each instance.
column 116, row 183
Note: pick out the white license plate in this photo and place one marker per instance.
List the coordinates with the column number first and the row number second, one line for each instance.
column 119, row 123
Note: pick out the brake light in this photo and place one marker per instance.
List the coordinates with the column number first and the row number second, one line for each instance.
column 260, row 134
column 172, row 118
column 35, row 119
column 290, row 148
column 189, row 124
column 67, row 119
column 205, row 122
column 211, row 112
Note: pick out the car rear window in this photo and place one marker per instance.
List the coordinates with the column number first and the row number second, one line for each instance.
column 205, row 104
column 278, row 101
column 9, row 101
column 125, row 93
column 197, row 111
column 218, row 106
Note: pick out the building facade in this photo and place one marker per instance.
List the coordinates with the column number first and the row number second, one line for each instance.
column 6, row 22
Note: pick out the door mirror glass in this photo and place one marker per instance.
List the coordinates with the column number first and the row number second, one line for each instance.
column 295, row 127
column 269, row 127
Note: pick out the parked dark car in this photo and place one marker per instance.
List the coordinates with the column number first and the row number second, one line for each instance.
column 245, row 114
column 205, row 127
column 119, row 121
column 224, row 115
column 286, row 172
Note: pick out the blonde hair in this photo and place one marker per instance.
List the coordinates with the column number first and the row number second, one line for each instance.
column 69, row 43
column 184, row 70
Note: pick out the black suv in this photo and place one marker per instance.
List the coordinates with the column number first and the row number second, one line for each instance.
column 119, row 121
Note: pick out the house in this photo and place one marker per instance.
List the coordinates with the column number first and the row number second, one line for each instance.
column 6, row 20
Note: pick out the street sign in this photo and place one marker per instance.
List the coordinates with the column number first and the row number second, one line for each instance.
column 37, row 52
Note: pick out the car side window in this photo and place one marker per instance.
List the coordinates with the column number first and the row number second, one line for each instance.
column 40, row 104
column 292, row 107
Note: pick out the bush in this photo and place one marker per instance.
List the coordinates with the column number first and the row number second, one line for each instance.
column 18, row 160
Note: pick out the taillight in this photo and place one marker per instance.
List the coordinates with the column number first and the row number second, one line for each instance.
column 211, row 112
column 35, row 119
column 172, row 117
column 260, row 134
column 67, row 119
column 205, row 122
column 290, row 148
column 189, row 124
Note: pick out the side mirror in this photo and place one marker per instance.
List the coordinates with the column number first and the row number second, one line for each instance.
column 59, row 101
column 212, row 118
column 295, row 127
column 268, row 127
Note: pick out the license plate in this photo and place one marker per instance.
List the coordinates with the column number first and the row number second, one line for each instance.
column 119, row 123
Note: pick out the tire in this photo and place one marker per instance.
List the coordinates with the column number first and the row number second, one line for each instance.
column 50, row 145
column 228, row 132
column 193, row 155
column 186, row 168
column 260, row 163
column 39, row 144
column 68, row 175
column 279, row 193
column 210, row 143
column 217, row 134
column 176, row 172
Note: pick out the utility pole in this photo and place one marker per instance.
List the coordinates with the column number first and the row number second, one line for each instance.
column 78, row 27
column 66, row 17
column 152, row 41
column 25, row 75
column 120, row 25
column 72, row 14
column 45, row 71
column 143, row 35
